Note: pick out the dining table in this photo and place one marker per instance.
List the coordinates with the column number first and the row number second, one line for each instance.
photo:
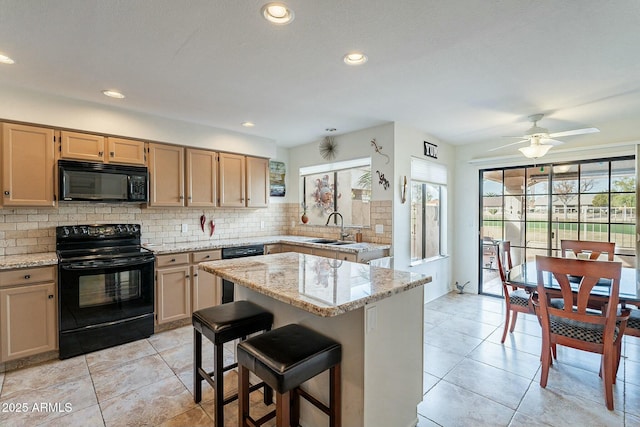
column 526, row 275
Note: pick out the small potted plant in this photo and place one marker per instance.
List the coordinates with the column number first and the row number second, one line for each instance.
column 304, row 218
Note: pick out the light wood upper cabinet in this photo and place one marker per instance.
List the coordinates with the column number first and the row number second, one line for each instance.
column 28, row 163
column 232, row 192
column 202, row 177
column 96, row 148
column 27, row 312
column 244, row 181
column 166, row 170
column 125, row 151
column 257, row 182
column 81, row 146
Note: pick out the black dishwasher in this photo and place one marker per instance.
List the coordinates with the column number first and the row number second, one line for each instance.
column 237, row 252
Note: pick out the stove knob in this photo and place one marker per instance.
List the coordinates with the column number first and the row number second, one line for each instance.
column 65, row 230
column 74, row 229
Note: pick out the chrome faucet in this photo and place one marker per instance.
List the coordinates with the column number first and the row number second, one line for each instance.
column 343, row 235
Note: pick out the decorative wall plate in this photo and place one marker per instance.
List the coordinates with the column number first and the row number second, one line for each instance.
column 328, row 148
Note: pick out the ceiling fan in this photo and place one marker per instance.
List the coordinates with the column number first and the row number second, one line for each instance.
column 540, row 139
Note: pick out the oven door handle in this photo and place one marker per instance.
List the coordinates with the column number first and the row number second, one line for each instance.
column 103, row 264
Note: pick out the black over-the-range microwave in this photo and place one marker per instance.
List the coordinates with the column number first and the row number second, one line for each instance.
column 98, row 182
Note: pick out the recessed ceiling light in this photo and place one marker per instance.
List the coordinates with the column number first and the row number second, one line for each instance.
column 248, row 124
column 277, row 13
column 6, row 60
column 355, row 58
column 113, row 94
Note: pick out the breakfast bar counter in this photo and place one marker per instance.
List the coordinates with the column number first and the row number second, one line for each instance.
column 375, row 313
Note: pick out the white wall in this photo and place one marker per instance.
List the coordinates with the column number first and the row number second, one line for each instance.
column 469, row 160
column 354, row 145
column 409, row 142
column 57, row 111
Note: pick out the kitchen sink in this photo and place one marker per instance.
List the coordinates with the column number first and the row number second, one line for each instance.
column 324, row 241
column 331, row 242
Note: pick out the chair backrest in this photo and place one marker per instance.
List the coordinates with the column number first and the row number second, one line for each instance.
column 585, row 274
column 591, row 250
column 504, row 259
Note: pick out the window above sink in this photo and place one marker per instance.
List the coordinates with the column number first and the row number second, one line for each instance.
column 344, row 187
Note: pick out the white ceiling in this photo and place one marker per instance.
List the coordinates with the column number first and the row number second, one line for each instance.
column 464, row 71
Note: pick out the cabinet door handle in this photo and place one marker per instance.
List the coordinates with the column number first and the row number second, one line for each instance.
column 173, row 260
column 100, row 153
column 181, row 197
column 187, row 276
column 6, row 193
column 112, row 154
column 50, row 296
column 208, row 256
column 27, row 276
column 195, row 275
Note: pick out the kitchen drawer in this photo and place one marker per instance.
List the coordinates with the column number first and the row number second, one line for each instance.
column 203, row 256
column 170, row 260
column 25, row 276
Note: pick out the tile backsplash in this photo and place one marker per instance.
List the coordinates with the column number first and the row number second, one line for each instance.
column 32, row 230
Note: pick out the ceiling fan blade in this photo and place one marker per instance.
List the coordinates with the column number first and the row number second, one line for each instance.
column 509, row 145
column 574, row 132
column 550, row 141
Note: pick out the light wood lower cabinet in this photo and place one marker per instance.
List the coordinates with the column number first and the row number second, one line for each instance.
column 328, row 253
column 173, row 288
column 273, row 249
column 294, row 248
column 207, row 287
column 28, row 306
column 182, row 288
column 362, row 257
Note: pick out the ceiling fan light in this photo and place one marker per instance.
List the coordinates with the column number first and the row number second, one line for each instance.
column 535, row 151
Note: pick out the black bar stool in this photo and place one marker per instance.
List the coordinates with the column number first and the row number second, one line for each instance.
column 221, row 324
column 284, row 359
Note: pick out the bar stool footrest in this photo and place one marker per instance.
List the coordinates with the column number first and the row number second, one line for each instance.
column 315, row 402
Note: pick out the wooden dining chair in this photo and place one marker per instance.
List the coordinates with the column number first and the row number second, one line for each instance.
column 573, row 324
column 592, row 250
column 517, row 298
column 633, row 325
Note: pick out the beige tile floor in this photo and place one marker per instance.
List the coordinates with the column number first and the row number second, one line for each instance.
column 470, row 379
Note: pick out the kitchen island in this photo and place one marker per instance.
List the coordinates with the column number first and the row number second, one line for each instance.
column 375, row 313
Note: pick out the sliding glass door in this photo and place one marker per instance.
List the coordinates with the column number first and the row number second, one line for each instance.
column 536, row 207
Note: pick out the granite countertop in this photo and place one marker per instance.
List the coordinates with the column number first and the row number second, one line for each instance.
column 50, row 258
column 28, row 260
column 307, row 241
column 322, row 286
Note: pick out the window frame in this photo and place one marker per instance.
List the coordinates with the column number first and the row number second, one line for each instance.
column 440, row 211
column 555, row 227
